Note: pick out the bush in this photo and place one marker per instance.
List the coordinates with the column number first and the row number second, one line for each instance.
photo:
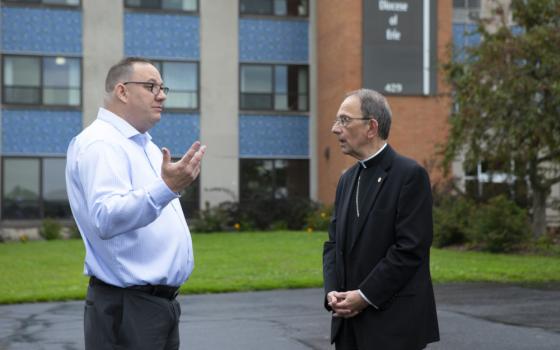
column 216, row 219
column 50, row 229
column 270, row 213
column 452, row 217
column 320, row 218
column 499, row 226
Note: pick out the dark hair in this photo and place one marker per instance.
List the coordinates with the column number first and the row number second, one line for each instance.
column 374, row 105
column 122, row 71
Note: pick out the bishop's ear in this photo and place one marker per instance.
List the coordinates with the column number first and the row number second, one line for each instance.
column 373, row 130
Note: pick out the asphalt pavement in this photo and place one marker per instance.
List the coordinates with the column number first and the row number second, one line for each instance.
column 471, row 316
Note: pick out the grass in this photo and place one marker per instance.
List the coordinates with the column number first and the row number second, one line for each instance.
column 52, row 270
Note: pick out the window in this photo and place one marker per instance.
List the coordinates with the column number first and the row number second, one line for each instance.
column 34, row 80
column 182, row 80
column 274, row 87
column 34, row 188
column 189, row 199
column 274, row 178
column 466, row 4
column 299, row 8
column 180, row 5
column 488, row 180
column 46, row 2
column 466, row 10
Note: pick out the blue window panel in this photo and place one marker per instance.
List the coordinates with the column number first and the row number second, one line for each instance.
column 273, row 40
column 162, row 36
column 176, row 132
column 41, row 30
column 273, row 136
column 30, row 132
column 464, row 35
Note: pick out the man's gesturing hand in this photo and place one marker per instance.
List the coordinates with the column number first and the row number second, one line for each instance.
column 182, row 173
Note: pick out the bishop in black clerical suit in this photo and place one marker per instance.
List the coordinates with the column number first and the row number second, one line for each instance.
column 376, row 263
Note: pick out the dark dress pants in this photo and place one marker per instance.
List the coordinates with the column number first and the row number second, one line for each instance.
column 117, row 318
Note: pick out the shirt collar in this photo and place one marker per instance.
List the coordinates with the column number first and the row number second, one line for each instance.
column 123, row 127
column 364, row 162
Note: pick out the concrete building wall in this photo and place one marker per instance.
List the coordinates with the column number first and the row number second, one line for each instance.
column 102, row 47
column 219, row 104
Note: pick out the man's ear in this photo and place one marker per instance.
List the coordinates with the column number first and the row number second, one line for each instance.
column 373, row 130
column 121, row 92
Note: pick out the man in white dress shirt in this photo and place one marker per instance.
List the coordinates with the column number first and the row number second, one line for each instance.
column 124, row 195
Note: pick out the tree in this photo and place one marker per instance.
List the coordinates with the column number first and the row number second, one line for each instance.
column 507, row 90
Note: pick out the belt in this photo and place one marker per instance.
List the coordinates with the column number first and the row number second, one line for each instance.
column 158, row 290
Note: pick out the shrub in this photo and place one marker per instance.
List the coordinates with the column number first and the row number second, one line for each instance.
column 499, row 226
column 215, row 219
column 50, row 229
column 452, row 217
column 269, row 213
column 320, row 218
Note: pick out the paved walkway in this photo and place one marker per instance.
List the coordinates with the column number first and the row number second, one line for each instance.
column 471, row 316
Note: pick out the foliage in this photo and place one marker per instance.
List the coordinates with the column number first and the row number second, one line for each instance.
column 499, row 226
column 214, row 219
column 508, row 95
column 257, row 213
column 320, row 218
column 50, row 229
column 267, row 213
column 452, row 217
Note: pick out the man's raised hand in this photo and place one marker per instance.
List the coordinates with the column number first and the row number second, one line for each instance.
column 183, row 172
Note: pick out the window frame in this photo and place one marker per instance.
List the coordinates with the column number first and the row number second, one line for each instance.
column 40, row 3
column 274, row 178
column 41, row 197
column 181, row 109
column 274, row 93
column 40, row 103
column 272, row 15
column 161, row 9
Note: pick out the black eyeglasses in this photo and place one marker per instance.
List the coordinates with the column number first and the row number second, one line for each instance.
column 344, row 120
column 153, row 87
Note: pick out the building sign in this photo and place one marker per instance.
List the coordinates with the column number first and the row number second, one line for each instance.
column 399, row 46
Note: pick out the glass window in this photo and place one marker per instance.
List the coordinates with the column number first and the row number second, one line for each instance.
column 61, row 81
column 22, row 80
column 464, row 4
column 46, row 2
column 42, row 80
column 181, row 5
column 182, row 80
column 34, row 188
column 55, row 198
column 189, row 199
column 20, row 196
column 256, row 87
column 274, row 178
column 274, row 87
column 297, row 8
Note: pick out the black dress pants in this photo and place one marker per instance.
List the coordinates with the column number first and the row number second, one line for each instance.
column 118, row 318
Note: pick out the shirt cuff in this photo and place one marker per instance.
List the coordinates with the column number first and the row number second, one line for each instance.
column 160, row 194
column 366, row 299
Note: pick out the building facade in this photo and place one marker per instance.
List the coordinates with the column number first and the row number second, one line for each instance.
column 258, row 81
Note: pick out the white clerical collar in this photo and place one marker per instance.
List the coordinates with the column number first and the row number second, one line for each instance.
column 364, row 161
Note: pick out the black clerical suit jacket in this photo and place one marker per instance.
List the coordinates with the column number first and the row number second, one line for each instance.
column 384, row 253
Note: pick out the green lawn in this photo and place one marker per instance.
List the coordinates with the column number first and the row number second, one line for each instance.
column 39, row 271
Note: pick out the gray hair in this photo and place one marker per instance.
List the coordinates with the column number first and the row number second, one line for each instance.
column 375, row 105
column 122, row 71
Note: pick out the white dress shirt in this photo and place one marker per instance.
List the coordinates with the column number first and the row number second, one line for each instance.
column 131, row 223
